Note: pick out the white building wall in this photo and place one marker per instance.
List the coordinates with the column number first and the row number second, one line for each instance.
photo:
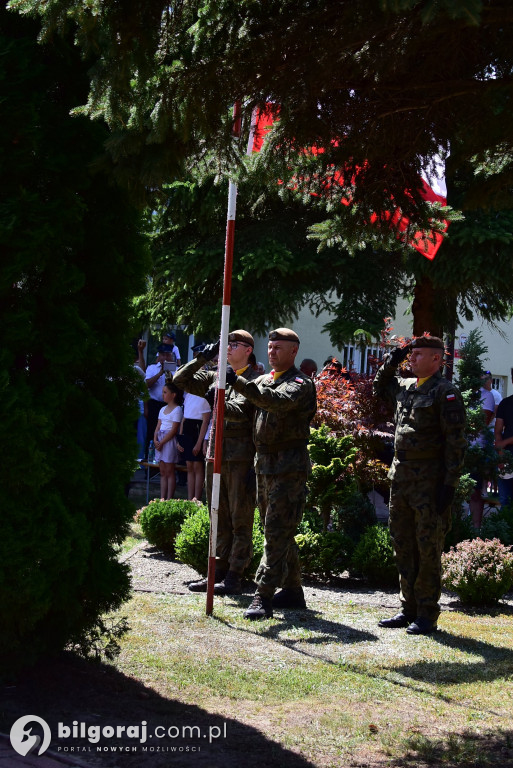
column 316, row 344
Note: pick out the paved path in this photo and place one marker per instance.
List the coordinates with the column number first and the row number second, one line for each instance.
column 9, row 758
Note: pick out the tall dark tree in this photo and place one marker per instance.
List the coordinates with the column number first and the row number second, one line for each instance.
column 287, row 256
column 381, row 86
column 277, row 267
column 392, row 82
column 71, row 258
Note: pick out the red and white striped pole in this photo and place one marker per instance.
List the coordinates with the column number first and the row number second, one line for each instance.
column 221, row 379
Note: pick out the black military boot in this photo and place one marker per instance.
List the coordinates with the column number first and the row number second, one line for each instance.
column 292, row 597
column 399, row 621
column 201, row 585
column 260, row 608
column 422, row 626
column 230, row 585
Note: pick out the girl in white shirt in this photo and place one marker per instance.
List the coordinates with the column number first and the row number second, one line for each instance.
column 170, row 417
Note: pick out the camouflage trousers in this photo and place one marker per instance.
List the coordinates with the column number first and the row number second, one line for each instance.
column 237, row 502
column 281, row 500
column 418, row 532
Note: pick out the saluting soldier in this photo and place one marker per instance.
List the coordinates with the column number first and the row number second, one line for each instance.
column 285, row 403
column 237, row 492
column 428, row 461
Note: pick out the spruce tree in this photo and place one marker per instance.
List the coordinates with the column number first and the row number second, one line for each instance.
column 72, row 257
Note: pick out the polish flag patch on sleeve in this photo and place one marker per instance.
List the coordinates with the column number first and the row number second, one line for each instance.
column 451, row 397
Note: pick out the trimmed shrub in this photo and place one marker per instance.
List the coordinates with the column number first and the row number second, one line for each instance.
column 191, row 544
column 373, row 557
column 480, row 572
column 161, row 521
column 324, row 554
column 73, row 257
column 495, row 527
column 354, row 516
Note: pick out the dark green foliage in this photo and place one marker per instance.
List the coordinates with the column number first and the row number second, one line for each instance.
column 191, row 544
column 499, row 525
column 161, row 521
column 311, row 520
column 392, row 81
column 373, row 557
column 101, row 639
column 331, row 478
column 71, row 259
column 470, row 368
column 495, row 527
column 324, row 554
column 461, row 526
column 481, row 458
column 381, row 86
column 354, row 516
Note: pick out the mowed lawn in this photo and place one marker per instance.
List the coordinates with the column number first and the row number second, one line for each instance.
column 330, row 685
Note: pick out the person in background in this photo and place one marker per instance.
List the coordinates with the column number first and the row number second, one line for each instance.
column 155, row 380
column 309, row 367
column 170, row 418
column 476, row 502
column 140, row 362
column 141, row 424
column 196, row 417
column 487, row 384
column 504, row 442
column 169, row 338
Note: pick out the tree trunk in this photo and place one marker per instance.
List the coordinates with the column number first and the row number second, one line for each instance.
column 424, row 315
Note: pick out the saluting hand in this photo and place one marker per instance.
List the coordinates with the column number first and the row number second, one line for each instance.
column 231, row 376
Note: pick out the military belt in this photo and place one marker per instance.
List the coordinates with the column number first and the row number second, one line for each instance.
column 285, row 445
column 416, row 455
column 238, row 432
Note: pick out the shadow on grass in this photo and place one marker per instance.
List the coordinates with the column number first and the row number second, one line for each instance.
column 459, row 750
column 494, row 662
column 70, row 689
column 312, row 621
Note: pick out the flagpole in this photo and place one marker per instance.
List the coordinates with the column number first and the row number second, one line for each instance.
column 221, row 377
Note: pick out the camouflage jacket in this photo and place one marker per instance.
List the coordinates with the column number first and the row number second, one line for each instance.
column 283, row 411
column 237, row 436
column 429, row 421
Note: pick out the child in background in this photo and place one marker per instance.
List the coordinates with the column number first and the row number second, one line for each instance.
column 170, row 417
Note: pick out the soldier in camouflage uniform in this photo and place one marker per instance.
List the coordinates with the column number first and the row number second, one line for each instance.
column 428, row 459
column 234, row 546
column 285, row 403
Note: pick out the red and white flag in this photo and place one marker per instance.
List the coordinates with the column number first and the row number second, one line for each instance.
column 432, row 187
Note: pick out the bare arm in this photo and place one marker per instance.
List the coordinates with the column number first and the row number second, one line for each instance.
column 499, row 429
column 203, row 430
column 141, row 362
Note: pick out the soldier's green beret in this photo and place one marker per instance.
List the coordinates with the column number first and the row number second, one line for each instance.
column 283, row 334
column 427, row 341
column 243, row 336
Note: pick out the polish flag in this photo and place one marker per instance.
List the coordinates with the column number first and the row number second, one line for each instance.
column 432, row 188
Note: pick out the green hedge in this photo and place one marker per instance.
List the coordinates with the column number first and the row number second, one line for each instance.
column 373, row 557
column 162, row 520
column 324, row 554
column 72, row 258
column 191, row 544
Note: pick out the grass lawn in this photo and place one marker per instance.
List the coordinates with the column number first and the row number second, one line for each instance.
column 319, row 688
column 330, row 685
